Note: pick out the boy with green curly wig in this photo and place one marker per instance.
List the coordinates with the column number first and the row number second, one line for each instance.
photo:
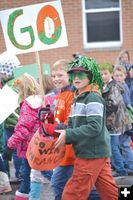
column 88, row 135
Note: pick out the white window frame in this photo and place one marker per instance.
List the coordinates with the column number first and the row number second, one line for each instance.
column 95, row 45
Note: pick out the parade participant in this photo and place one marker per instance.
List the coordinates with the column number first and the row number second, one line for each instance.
column 124, row 59
column 119, row 75
column 88, row 135
column 63, row 104
column 37, row 178
column 117, row 119
column 4, row 180
column 7, row 78
column 130, row 84
column 28, row 123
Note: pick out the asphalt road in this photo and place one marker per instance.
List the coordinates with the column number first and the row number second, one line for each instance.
column 47, row 193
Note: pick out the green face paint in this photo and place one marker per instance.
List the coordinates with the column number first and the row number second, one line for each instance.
column 80, row 75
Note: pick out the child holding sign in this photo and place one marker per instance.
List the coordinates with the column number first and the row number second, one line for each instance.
column 4, row 180
column 88, row 135
column 7, row 78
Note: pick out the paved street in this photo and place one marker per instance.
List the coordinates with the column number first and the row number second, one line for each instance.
column 47, row 193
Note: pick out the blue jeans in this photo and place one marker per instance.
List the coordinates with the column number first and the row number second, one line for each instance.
column 47, row 174
column 17, row 161
column 2, row 165
column 59, row 179
column 126, row 151
column 94, row 195
column 25, row 177
column 117, row 158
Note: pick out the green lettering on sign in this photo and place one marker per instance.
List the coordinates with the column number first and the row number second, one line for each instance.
column 51, row 40
column 11, row 35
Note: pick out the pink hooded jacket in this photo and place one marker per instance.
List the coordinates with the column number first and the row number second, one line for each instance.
column 27, row 125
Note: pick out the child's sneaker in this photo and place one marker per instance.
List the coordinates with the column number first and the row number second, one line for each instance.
column 4, row 183
column 21, row 196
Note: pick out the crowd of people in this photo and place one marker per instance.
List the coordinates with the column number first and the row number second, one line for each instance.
column 87, row 107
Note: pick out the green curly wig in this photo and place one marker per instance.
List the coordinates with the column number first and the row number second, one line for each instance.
column 89, row 65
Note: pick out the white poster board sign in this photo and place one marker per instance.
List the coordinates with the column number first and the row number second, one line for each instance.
column 34, row 28
column 8, row 102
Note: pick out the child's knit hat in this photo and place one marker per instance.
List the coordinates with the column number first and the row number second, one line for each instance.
column 87, row 65
column 7, row 68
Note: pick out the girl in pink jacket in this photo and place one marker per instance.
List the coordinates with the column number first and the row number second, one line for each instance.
column 27, row 125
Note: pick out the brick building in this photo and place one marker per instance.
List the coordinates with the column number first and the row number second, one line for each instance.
column 97, row 28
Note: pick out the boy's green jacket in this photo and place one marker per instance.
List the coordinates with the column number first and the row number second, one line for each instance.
column 86, row 129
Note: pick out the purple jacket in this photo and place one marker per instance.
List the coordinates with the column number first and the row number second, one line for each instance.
column 27, row 125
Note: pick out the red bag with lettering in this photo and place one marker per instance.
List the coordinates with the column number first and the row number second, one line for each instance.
column 41, row 153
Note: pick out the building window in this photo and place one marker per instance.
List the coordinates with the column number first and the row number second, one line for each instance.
column 102, row 23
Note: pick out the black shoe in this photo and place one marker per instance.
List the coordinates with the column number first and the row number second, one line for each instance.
column 130, row 173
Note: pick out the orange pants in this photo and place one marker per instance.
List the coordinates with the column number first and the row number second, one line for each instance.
column 86, row 174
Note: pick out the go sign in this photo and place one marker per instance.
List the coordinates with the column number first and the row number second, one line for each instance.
column 34, row 28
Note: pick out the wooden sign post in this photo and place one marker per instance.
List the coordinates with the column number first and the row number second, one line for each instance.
column 40, row 72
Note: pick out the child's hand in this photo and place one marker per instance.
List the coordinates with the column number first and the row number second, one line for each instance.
column 62, row 138
column 45, row 114
column 61, row 126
